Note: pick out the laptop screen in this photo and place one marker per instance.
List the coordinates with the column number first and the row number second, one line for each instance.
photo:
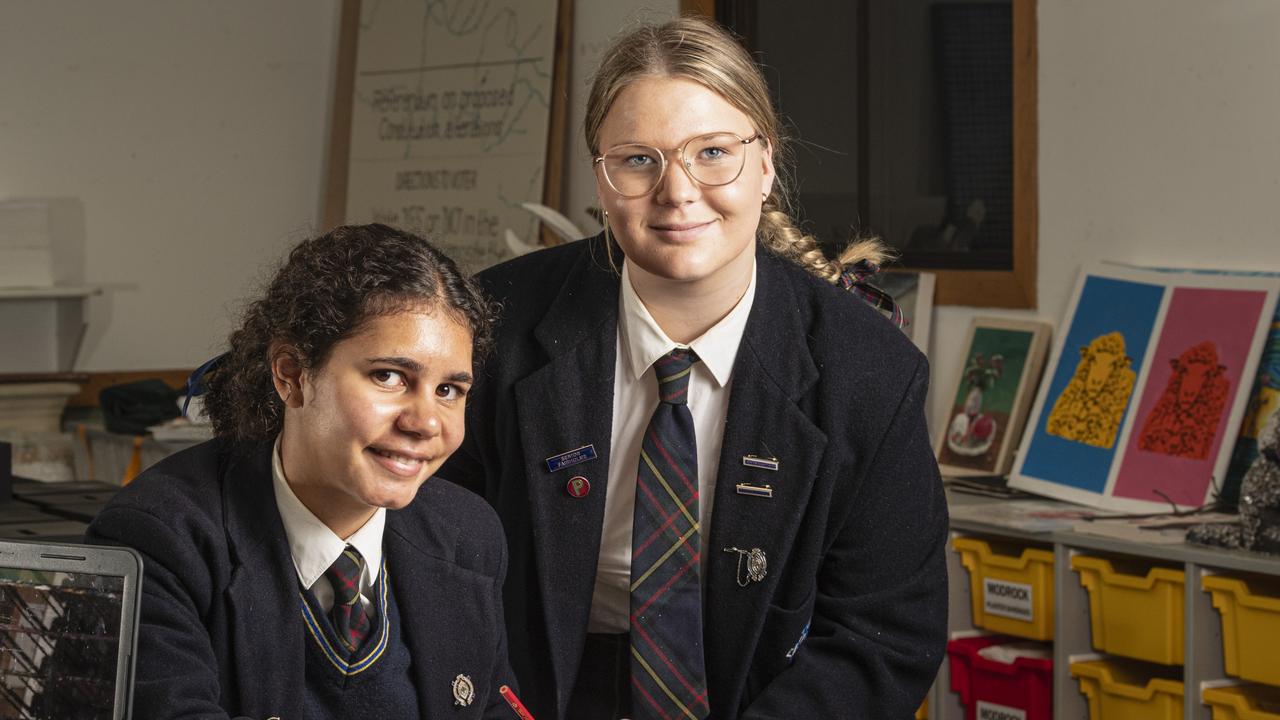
column 60, row 638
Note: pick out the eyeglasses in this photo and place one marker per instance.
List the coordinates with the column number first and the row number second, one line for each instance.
column 634, row 170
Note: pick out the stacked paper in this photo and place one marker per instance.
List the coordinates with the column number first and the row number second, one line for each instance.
column 26, row 246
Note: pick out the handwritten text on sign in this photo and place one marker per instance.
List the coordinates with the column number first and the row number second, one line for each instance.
column 450, row 114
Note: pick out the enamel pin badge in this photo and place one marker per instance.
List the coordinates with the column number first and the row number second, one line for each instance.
column 757, row 565
column 571, row 458
column 760, row 463
column 464, row 692
column 578, row 486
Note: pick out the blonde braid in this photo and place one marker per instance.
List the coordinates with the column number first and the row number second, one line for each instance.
column 779, row 233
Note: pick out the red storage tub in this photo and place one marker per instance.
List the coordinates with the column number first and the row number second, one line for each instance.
column 993, row 690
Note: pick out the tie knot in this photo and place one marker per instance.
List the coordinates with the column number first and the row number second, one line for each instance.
column 344, row 574
column 673, row 370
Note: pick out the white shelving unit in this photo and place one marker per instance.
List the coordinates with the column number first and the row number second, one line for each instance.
column 1203, row 659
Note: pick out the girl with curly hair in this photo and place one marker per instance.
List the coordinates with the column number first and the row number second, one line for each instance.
column 304, row 563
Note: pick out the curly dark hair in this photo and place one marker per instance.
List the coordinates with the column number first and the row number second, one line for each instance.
column 328, row 288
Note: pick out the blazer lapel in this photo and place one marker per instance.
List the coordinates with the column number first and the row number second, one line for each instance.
column 444, row 613
column 772, row 372
column 262, row 596
column 424, row 615
column 565, row 405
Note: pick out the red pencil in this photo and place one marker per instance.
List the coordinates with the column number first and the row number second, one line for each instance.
column 518, row 707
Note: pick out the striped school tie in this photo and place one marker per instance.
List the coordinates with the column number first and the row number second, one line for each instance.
column 348, row 614
column 668, row 679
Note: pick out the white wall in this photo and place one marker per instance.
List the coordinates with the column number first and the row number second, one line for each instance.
column 193, row 133
column 1159, row 144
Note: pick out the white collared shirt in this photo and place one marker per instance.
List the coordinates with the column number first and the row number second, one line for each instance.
column 635, row 395
column 314, row 546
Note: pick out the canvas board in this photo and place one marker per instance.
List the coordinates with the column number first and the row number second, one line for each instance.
column 913, row 292
column 1146, row 388
column 1264, row 399
column 1003, row 360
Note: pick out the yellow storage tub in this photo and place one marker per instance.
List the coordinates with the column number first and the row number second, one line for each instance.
column 1012, row 588
column 1250, row 611
column 1134, row 614
column 1122, row 690
column 1243, row 702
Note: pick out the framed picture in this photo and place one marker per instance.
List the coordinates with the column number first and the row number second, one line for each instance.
column 1146, row 389
column 1002, row 364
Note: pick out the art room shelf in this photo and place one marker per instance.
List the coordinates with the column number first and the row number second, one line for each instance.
column 1202, row 650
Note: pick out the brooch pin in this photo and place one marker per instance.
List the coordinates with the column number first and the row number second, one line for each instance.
column 757, row 565
column 464, row 692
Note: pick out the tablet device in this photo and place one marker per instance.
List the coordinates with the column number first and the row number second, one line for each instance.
column 68, row 630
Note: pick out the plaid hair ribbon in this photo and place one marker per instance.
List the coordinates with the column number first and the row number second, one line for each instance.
column 855, row 280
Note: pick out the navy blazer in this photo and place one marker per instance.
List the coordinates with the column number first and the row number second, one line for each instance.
column 222, row 631
column 850, row 619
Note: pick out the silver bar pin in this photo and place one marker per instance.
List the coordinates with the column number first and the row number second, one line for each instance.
column 764, row 491
column 763, row 463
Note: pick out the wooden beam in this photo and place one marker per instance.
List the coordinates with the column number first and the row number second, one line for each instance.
column 344, row 84
column 554, row 177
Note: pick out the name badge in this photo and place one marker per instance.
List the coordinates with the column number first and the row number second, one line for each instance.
column 571, row 458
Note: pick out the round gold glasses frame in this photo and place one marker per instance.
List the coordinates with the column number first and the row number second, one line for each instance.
column 715, row 162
